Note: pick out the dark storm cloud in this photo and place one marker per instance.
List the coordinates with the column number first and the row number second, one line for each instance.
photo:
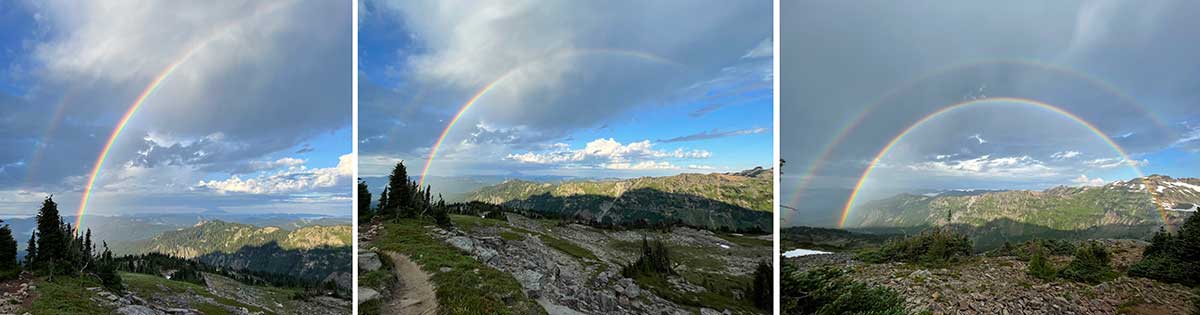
column 569, row 56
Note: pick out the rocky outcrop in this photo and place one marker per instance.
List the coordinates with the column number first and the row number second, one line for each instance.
column 1000, row 285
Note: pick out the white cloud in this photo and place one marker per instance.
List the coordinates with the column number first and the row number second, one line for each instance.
column 977, row 137
column 643, row 165
column 608, row 151
column 1017, row 166
column 1083, row 180
column 291, row 180
column 1115, row 162
column 1062, row 155
column 700, row 167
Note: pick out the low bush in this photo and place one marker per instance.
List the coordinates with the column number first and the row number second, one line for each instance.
column 828, row 291
column 1039, row 267
column 1173, row 257
column 1090, row 265
column 934, row 248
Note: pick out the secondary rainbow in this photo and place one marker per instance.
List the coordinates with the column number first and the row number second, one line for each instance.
column 846, row 129
column 147, row 92
column 487, row 88
column 1001, row 101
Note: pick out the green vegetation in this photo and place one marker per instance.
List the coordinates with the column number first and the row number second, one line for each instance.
column 760, row 288
column 712, row 201
column 9, row 269
column 828, row 291
column 364, row 202
column 66, row 295
column 935, row 247
column 655, row 262
column 1091, row 265
column 227, row 237
column 1173, row 257
column 57, row 248
column 1039, row 267
column 568, row 247
column 148, row 285
column 474, row 288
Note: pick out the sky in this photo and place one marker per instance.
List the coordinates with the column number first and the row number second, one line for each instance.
column 249, row 109
column 565, row 88
column 858, row 75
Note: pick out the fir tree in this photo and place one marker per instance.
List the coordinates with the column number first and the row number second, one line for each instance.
column 8, row 254
column 31, row 250
column 364, row 201
column 760, row 288
column 52, row 242
column 385, row 205
column 400, row 191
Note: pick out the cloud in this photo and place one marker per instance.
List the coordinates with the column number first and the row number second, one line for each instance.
column 1062, row 155
column 644, row 165
column 1115, row 162
column 606, row 149
column 1014, row 166
column 715, row 133
column 978, row 138
column 1083, row 180
column 291, row 180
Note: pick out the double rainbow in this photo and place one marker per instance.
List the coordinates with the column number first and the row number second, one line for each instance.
column 148, row 91
column 1002, row 101
column 510, row 73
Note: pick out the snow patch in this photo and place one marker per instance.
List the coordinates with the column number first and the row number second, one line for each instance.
column 803, row 252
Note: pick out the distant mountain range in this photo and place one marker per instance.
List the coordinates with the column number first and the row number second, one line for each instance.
column 312, row 252
column 1135, row 202
column 740, row 200
column 456, row 188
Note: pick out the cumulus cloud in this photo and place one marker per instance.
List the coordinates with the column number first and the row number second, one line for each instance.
column 1083, row 180
column 1013, row 166
column 291, row 180
column 608, row 150
column 715, row 133
column 643, row 165
column 1062, row 155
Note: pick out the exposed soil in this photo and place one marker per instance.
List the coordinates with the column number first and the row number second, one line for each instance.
column 416, row 294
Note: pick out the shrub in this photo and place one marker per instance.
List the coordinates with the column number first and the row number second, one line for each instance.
column 1039, row 267
column 827, row 291
column 933, row 247
column 655, row 261
column 760, row 288
column 1091, row 265
column 1171, row 257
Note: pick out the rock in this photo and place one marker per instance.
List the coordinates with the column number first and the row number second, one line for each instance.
column 462, row 243
column 366, row 295
column 709, row 311
column 368, row 262
column 138, row 310
column 445, row 269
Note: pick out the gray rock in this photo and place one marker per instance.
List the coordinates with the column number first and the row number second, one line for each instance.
column 368, row 262
column 138, row 310
column 366, row 295
column 462, row 243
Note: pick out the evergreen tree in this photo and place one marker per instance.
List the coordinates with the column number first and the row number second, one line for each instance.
column 107, row 270
column 8, row 254
column 52, row 242
column 760, row 288
column 401, row 191
column 31, row 250
column 385, row 205
column 364, row 201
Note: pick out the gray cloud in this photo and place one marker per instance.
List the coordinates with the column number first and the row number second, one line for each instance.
column 713, row 134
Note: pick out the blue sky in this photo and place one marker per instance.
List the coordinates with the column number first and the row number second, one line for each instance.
column 590, row 95
column 257, row 119
column 1129, row 69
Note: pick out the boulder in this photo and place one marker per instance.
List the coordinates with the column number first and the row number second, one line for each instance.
column 138, row 310
column 368, row 262
column 367, row 294
column 462, row 243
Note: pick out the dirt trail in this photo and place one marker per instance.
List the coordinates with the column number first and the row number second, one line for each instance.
column 416, row 294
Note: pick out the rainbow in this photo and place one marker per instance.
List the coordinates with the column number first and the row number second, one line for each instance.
column 808, row 174
column 147, row 92
column 511, row 72
column 974, row 103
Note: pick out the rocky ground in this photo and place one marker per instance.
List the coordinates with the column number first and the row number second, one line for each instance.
column 232, row 297
column 999, row 285
column 17, row 294
column 566, row 284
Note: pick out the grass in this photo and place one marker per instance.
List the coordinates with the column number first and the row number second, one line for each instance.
column 746, row 241
column 475, row 288
column 568, row 247
column 511, row 236
column 472, row 223
column 149, row 285
column 720, row 288
column 66, row 295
